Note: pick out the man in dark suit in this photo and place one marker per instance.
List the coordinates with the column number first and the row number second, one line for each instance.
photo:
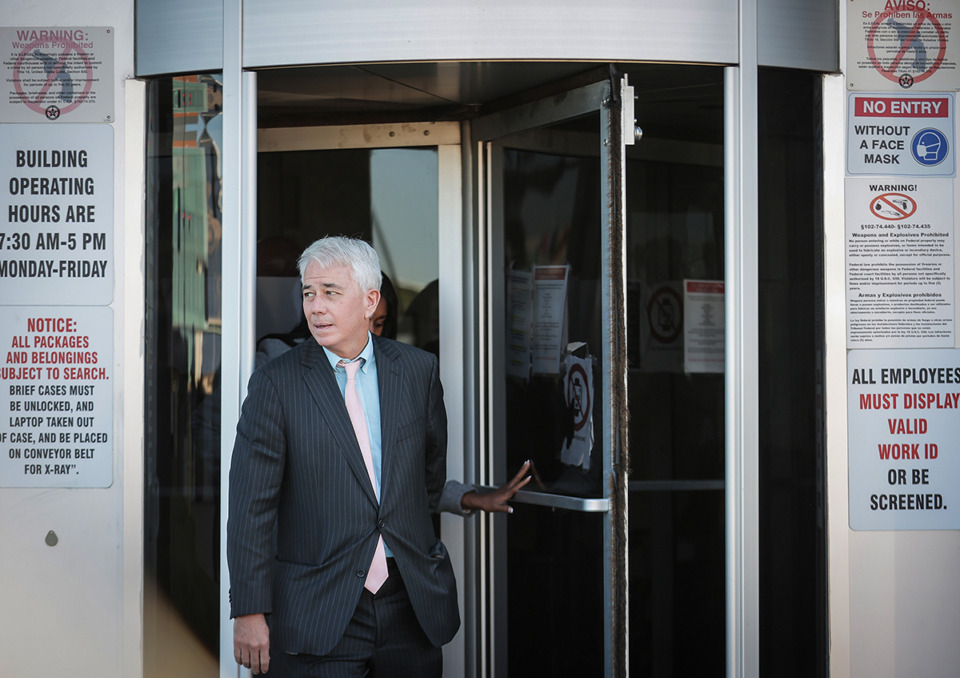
column 320, row 495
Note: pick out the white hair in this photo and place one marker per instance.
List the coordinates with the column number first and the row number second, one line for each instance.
column 336, row 250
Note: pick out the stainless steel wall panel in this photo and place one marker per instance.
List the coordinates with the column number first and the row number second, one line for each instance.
column 309, row 31
column 185, row 36
column 798, row 34
column 179, row 36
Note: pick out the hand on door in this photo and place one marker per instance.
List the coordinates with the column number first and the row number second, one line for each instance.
column 496, row 500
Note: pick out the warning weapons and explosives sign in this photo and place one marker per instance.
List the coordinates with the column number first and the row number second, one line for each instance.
column 57, row 74
column 901, row 45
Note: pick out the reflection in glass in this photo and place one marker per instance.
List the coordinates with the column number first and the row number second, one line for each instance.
column 675, row 232
column 552, row 276
column 182, row 328
column 385, row 196
column 793, row 619
column 552, row 270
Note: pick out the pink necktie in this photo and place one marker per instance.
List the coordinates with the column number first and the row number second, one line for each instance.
column 377, row 573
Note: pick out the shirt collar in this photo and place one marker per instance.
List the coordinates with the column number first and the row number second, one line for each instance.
column 366, row 355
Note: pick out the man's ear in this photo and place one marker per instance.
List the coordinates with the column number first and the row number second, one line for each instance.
column 372, row 298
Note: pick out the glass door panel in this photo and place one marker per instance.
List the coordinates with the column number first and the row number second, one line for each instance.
column 551, row 229
column 675, row 302
column 387, row 196
column 553, row 218
column 182, row 357
column 551, row 264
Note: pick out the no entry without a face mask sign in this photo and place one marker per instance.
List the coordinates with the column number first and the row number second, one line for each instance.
column 901, row 134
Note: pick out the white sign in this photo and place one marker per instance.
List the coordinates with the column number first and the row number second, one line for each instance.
column 519, row 322
column 57, row 74
column 549, row 317
column 56, row 399
column 661, row 327
column 901, row 134
column 903, row 409
column 578, row 393
column 703, row 326
column 900, row 263
column 901, row 45
column 56, row 214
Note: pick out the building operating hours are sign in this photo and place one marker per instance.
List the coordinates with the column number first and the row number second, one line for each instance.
column 57, row 74
column 56, row 207
column 901, row 45
column 56, row 397
column 903, row 412
column 901, row 135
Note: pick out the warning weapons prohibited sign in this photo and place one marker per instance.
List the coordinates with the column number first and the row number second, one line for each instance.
column 57, row 74
column 901, row 45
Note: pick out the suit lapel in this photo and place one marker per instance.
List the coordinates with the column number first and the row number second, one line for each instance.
column 389, row 375
column 322, row 384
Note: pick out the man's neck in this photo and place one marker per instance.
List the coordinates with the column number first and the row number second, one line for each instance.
column 348, row 358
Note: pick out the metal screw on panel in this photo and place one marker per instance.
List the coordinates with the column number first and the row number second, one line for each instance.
column 51, row 538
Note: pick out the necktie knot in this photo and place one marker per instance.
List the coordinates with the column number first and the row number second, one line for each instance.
column 351, row 368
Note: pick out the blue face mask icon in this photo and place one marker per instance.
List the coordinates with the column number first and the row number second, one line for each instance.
column 928, row 146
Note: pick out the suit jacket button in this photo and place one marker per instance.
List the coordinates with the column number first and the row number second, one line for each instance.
column 381, row 523
column 361, row 573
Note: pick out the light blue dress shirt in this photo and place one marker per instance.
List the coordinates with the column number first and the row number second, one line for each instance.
column 368, row 390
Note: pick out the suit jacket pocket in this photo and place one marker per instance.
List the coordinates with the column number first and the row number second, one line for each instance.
column 442, row 567
column 445, row 606
column 439, row 551
column 409, row 430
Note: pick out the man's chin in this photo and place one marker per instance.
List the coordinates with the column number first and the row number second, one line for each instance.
column 322, row 338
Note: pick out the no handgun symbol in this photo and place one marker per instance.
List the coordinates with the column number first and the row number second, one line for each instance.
column 894, row 40
column 59, row 83
column 578, row 396
column 893, row 206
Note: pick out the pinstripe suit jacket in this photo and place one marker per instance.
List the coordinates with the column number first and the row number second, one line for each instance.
column 304, row 519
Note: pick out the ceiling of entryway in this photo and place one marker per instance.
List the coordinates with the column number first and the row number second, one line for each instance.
column 668, row 95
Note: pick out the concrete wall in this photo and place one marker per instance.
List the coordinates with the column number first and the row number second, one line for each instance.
column 71, row 550
column 894, row 601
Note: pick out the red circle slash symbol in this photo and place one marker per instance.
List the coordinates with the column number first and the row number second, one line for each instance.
column 887, row 30
column 665, row 314
column 578, row 396
column 893, row 206
column 55, row 68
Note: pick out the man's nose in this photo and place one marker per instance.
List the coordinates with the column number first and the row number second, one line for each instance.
column 317, row 305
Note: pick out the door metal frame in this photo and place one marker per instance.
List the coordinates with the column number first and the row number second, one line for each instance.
column 239, row 307
column 742, row 399
column 239, row 184
column 614, row 101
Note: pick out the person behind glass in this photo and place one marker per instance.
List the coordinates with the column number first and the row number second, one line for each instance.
column 457, row 497
column 341, row 447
